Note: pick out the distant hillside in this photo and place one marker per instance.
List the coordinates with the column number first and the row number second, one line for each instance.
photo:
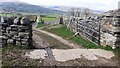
column 60, row 8
column 25, row 7
column 67, row 8
column 113, row 12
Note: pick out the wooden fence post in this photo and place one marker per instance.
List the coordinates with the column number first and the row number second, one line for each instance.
column 99, row 43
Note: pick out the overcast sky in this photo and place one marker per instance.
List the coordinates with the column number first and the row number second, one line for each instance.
column 93, row 4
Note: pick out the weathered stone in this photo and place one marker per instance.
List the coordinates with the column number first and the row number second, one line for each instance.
column 25, row 21
column 4, row 19
column 15, row 31
column 17, row 21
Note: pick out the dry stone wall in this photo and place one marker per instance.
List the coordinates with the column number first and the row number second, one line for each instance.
column 15, row 31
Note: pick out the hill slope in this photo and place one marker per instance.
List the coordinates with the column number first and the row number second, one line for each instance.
column 25, row 7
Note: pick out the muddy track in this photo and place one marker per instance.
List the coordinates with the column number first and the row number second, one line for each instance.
column 64, row 41
column 41, row 43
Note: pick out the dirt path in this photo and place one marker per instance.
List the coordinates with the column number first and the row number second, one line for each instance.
column 69, row 57
column 39, row 42
column 43, row 51
column 66, row 42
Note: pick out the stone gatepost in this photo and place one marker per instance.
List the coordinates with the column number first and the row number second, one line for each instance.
column 116, row 30
column 3, row 26
column 61, row 20
column 27, row 23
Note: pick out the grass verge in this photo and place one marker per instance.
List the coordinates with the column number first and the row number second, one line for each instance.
column 67, row 34
column 41, row 25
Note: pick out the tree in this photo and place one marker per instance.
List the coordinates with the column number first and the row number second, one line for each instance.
column 72, row 12
column 78, row 11
column 86, row 12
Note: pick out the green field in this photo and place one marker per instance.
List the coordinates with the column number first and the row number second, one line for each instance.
column 7, row 15
column 42, row 19
column 48, row 18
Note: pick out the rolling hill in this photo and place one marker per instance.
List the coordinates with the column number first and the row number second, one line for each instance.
column 17, row 6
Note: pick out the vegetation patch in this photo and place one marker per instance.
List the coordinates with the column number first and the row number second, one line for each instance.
column 48, row 18
column 41, row 25
column 7, row 15
column 67, row 34
column 41, row 21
